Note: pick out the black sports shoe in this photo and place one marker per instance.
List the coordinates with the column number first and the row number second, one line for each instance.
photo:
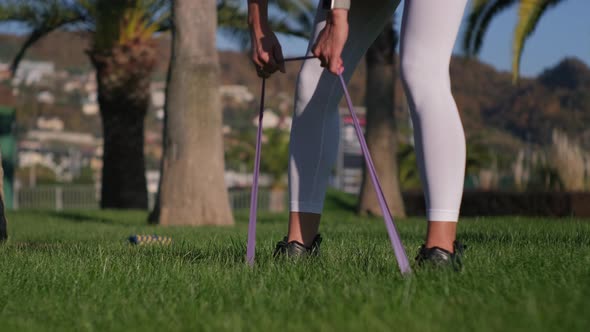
column 296, row 249
column 438, row 257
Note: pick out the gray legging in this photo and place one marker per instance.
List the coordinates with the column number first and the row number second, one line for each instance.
column 428, row 34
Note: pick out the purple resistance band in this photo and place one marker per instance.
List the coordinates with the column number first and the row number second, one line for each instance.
column 251, row 247
column 396, row 242
column 400, row 254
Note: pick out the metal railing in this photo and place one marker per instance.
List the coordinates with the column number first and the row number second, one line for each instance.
column 61, row 198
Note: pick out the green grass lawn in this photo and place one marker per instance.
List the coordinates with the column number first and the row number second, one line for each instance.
column 74, row 271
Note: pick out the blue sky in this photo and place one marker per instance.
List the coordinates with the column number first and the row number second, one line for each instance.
column 563, row 31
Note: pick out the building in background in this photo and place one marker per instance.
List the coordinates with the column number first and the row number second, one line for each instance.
column 348, row 174
column 32, row 72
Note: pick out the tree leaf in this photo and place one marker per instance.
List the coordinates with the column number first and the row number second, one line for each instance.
column 529, row 13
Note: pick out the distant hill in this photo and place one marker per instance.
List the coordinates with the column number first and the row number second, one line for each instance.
column 66, row 49
column 492, row 108
column 558, row 98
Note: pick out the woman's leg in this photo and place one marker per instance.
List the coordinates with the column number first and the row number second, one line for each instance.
column 315, row 129
column 429, row 30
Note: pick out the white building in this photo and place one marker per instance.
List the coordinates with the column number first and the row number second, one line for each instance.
column 90, row 108
column 46, row 97
column 158, row 98
column 270, row 120
column 153, row 180
column 237, row 93
column 348, row 173
column 64, row 137
column 91, row 85
column 53, row 124
column 244, row 179
column 65, row 153
column 72, row 86
column 32, row 72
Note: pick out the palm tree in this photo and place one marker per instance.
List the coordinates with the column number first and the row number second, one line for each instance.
column 230, row 18
column 192, row 187
column 124, row 56
column 483, row 11
column 381, row 128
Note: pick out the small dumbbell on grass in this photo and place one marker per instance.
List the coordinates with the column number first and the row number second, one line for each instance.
column 149, row 239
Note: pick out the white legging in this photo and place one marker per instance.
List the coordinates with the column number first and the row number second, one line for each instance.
column 429, row 30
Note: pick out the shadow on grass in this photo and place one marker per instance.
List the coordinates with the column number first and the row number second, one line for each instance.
column 102, row 217
column 220, row 255
column 38, row 246
column 82, row 217
column 229, row 251
column 230, row 254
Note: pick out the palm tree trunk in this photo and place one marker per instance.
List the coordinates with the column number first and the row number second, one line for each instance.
column 123, row 76
column 123, row 175
column 193, row 190
column 380, row 128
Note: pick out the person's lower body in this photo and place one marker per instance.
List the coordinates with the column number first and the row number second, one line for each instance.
column 429, row 30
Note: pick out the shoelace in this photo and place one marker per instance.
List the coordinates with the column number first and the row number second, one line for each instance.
column 400, row 254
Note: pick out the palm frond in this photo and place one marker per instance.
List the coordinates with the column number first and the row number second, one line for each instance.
column 477, row 9
column 159, row 13
column 41, row 17
column 301, row 12
column 479, row 23
column 529, row 13
column 293, row 19
column 124, row 21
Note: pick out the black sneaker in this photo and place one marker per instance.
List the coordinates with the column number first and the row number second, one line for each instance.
column 441, row 258
column 296, row 249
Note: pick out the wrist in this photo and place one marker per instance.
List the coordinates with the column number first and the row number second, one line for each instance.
column 336, row 4
column 337, row 17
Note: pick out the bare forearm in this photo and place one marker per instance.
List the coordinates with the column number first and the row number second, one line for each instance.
column 257, row 13
column 330, row 41
column 267, row 55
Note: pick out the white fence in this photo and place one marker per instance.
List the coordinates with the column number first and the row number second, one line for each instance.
column 60, row 198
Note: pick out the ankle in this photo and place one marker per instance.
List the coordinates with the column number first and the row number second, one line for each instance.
column 446, row 245
column 295, row 237
column 303, row 227
column 305, row 239
column 441, row 234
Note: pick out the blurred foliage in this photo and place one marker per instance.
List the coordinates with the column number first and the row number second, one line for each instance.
column 482, row 13
column 241, row 151
column 479, row 156
column 35, row 175
column 291, row 17
column 86, row 176
column 544, row 177
column 112, row 22
column 276, row 156
column 409, row 176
